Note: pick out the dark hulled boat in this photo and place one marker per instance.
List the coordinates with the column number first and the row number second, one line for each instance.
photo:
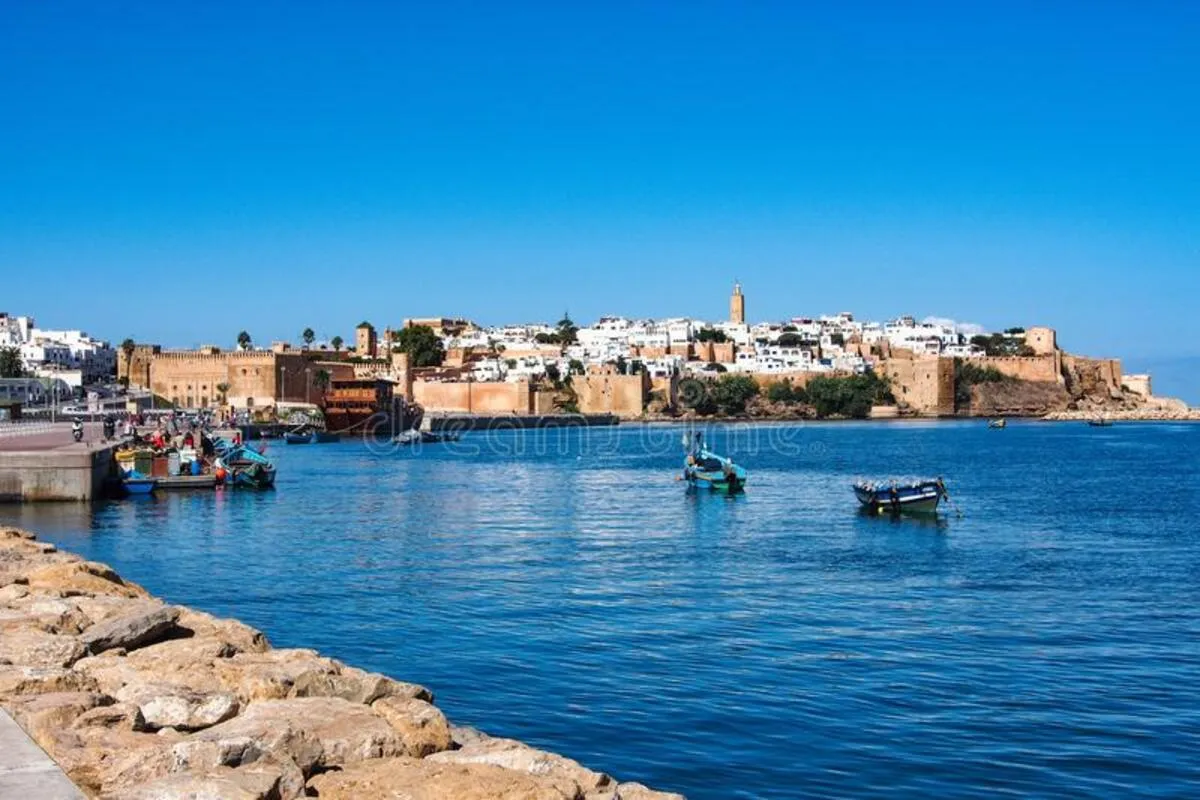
column 918, row 497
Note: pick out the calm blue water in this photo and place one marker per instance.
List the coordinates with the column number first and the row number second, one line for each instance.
column 561, row 588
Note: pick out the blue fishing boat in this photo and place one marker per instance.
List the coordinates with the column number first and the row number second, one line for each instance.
column 918, row 497
column 134, row 482
column 703, row 469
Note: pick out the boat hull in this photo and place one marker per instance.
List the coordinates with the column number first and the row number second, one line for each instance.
column 922, row 498
column 139, row 485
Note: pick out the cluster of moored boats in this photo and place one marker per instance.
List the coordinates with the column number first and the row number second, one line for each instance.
column 201, row 461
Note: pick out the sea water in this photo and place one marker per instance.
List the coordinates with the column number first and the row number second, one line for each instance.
column 561, row 587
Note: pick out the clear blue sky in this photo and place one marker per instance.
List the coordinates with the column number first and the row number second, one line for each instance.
column 179, row 171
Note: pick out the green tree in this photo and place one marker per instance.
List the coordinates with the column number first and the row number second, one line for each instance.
column 322, row 379
column 790, row 340
column 243, row 340
column 711, row 335
column 11, row 365
column 784, row 392
column 222, row 391
column 337, row 343
column 127, row 348
column 732, row 392
column 308, row 336
column 850, row 396
column 424, row 347
column 566, row 330
column 575, row 367
column 967, row 375
column 554, row 375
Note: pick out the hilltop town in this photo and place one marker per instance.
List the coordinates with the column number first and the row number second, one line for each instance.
column 828, row 366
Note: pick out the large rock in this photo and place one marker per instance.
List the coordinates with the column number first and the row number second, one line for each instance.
column 219, row 783
column 315, row 732
column 95, row 756
column 142, row 627
column 47, row 614
column 34, row 648
column 631, row 791
column 241, row 637
column 422, row 726
column 40, row 713
column 71, row 578
column 514, row 755
column 280, row 674
column 22, row 680
column 424, row 779
column 171, row 706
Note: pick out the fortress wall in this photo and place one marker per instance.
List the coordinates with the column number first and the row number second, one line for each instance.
column 623, row 395
column 925, row 383
column 473, row 398
column 1041, row 368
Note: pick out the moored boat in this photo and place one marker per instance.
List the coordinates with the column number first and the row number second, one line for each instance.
column 705, row 469
column 919, row 497
column 137, row 483
column 997, row 423
column 246, row 467
column 1100, row 422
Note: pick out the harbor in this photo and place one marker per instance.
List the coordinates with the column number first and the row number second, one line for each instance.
column 575, row 596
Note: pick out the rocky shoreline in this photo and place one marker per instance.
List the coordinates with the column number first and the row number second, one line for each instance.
column 138, row 699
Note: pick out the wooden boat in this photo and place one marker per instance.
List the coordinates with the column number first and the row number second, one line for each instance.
column 246, row 467
column 703, row 469
column 1100, row 422
column 918, row 497
column 997, row 423
column 298, row 438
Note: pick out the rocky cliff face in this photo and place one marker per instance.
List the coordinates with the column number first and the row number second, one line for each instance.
column 138, row 699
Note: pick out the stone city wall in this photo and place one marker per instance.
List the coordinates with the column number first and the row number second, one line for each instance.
column 1040, row 369
column 473, row 398
column 609, row 393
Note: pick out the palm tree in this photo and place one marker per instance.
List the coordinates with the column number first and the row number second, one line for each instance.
column 321, row 380
column 127, row 348
column 336, row 342
column 308, row 336
column 243, row 340
column 223, row 390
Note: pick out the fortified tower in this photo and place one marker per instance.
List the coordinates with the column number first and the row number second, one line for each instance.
column 364, row 340
column 737, row 305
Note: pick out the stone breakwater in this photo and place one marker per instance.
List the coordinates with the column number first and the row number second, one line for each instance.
column 138, row 699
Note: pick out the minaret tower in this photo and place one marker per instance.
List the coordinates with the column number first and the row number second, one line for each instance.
column 737, row 305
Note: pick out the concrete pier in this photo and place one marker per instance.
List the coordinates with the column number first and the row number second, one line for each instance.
column 25, row 769
column 46, row 464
